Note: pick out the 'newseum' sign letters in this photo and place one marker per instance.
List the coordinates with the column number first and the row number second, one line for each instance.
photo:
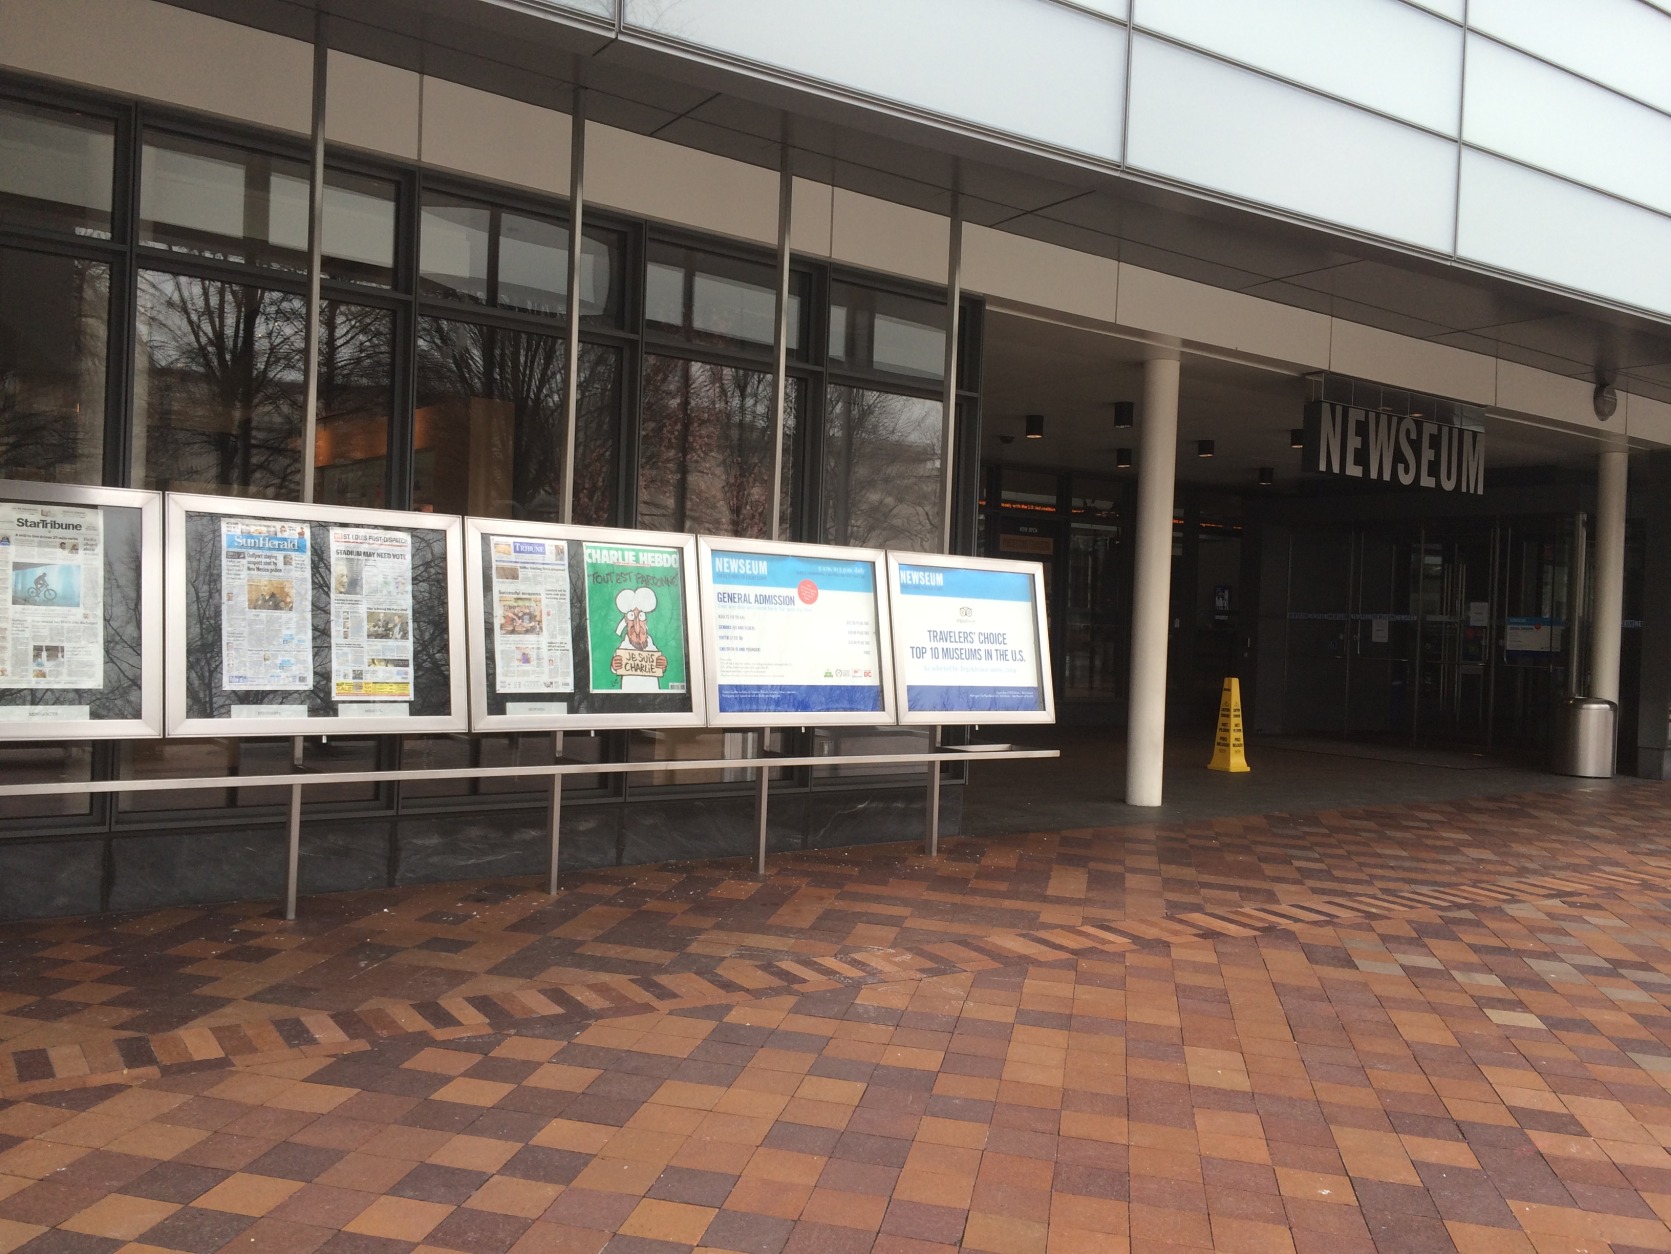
column 1385, row 448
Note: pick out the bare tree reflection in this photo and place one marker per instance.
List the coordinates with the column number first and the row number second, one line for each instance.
column 882, row 470
column 705, row 452
column 53, row 335
column 490, row 429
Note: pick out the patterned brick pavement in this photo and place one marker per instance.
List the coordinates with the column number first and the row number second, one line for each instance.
column 1409, row 1028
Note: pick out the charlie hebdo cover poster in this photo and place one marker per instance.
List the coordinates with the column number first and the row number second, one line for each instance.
column 635, row 618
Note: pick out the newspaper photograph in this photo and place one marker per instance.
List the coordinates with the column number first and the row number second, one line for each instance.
column 532, row 635
column 266, row 622
column 371, row 614
column 52, row 623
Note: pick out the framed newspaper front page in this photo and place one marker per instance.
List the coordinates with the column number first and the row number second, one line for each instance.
column 970, row 641
column 581, row 628
column 797, row 634
column 291, row 620
column 81, row 616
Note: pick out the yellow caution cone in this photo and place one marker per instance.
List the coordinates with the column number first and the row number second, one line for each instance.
column 1228, row 754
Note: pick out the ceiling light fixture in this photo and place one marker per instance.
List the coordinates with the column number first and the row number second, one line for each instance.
column 1035, row 426
column 1122, row 459
column 1203, row 448
column 1267, row 476
column 1125, row 413
column 1296, row 437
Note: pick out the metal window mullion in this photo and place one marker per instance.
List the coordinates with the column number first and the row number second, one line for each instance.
column 780, row 338
column 316, row 241
column 571, row 386
column 948, row 417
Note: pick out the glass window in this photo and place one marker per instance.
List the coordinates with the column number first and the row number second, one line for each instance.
column 185, row 759
column 436, row 753
column 46, row 762
column 485, row 255
column 1217, row 126
column 217, row 201
column 705, row 448
column 692, row 744
column 1060, row 68
column 708, row 298
column 887, row 332
column 881, row 475
column 356, row 394
column 489, row 426
column 218, row 389
column 56, row 168
column 54, row 315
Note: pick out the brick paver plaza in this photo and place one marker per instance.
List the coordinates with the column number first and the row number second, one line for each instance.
column 1419, row 1027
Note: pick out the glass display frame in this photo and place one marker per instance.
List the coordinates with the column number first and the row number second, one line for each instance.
column 884, row 715
column 479, row 533
column 441, row 536
column 906, row 668
column 147, row 720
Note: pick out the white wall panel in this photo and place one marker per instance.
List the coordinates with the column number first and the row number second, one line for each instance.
column 1204, row 122
column 1380, row 53
column 372, row 106
column 1623, row 43
column 1198, row 312
column 494, row 137
column 895, row 239
column 1525, row 390
column 641, row 175
column 1026, row 67
column 1525, row 108
column 158, row 52
column 1647, row 420
column 1535, row 225
column 1045, row 276
column 1399, row 360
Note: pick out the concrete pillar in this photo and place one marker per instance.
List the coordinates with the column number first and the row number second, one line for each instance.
column 1157, row 467
column 1607, row 607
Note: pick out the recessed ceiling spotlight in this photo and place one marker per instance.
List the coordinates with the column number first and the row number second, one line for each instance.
column 1125, row 413
column 1035, row 426
column 1203, row 448
column 1296, row 437
column 1122, row 459
column 1267, row 476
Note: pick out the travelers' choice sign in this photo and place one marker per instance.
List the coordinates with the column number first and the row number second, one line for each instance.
column 794, row 633
column 967, row 638
column 1386, row 448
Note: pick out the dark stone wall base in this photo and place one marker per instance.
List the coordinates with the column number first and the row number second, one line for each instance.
column 146, row 871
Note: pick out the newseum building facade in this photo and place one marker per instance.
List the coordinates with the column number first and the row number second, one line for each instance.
column 1325, row 344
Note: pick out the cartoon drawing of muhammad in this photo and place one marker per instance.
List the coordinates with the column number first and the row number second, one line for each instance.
column 637, row 660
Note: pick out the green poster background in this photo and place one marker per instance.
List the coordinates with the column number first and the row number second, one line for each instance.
column 613, row 568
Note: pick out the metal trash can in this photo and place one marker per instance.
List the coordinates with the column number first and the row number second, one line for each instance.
column 1585, row 739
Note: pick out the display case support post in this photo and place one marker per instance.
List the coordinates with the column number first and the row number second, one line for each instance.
column 762, row 795
column 931, row 832
column 294, row 853
column 554, row 813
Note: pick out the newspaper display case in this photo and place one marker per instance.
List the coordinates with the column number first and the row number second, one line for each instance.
column 797, row 634
column 286, row 619
column 81, row 615
column 970, row 645
column 582, row 628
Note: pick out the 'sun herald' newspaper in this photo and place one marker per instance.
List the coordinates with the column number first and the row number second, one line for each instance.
column 371, row 614
column 266, row 622
column 52, row 616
